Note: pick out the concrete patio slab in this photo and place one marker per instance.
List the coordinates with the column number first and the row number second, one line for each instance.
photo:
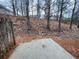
column 41, row 49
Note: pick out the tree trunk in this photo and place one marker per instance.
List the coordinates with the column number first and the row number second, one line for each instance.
column 17, row 11
column 60, row 18
column 22, row 8
column 38, row 9
column 72, row 17
column 58, row 14
column 32, row 8
column 28, row 20
column 48, row 16
column 13, row 6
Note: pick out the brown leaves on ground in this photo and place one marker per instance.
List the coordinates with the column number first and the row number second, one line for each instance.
column 72, row 46
column 68, row 39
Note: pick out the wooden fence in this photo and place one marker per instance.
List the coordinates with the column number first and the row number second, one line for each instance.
column 7, row 38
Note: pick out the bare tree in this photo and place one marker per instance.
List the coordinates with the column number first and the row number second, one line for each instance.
column 73, row 12
column 62, row 6
column 60, row 18
column 57, row 3
column 13, row 6
column 48, row 18
column 16, row 7
column 47, row 7
column 38, row 8
column 27, row 15
column 22, row 7
column 32, row 6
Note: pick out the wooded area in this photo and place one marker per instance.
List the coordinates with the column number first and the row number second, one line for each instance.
column 60, row 8
column 35, row 19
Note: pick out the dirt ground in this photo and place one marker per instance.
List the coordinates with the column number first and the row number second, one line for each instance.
column 69, row 39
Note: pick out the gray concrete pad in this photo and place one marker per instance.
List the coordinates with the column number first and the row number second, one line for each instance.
column 41, row 49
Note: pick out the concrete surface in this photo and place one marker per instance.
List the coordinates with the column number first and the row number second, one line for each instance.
column 40, row 49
